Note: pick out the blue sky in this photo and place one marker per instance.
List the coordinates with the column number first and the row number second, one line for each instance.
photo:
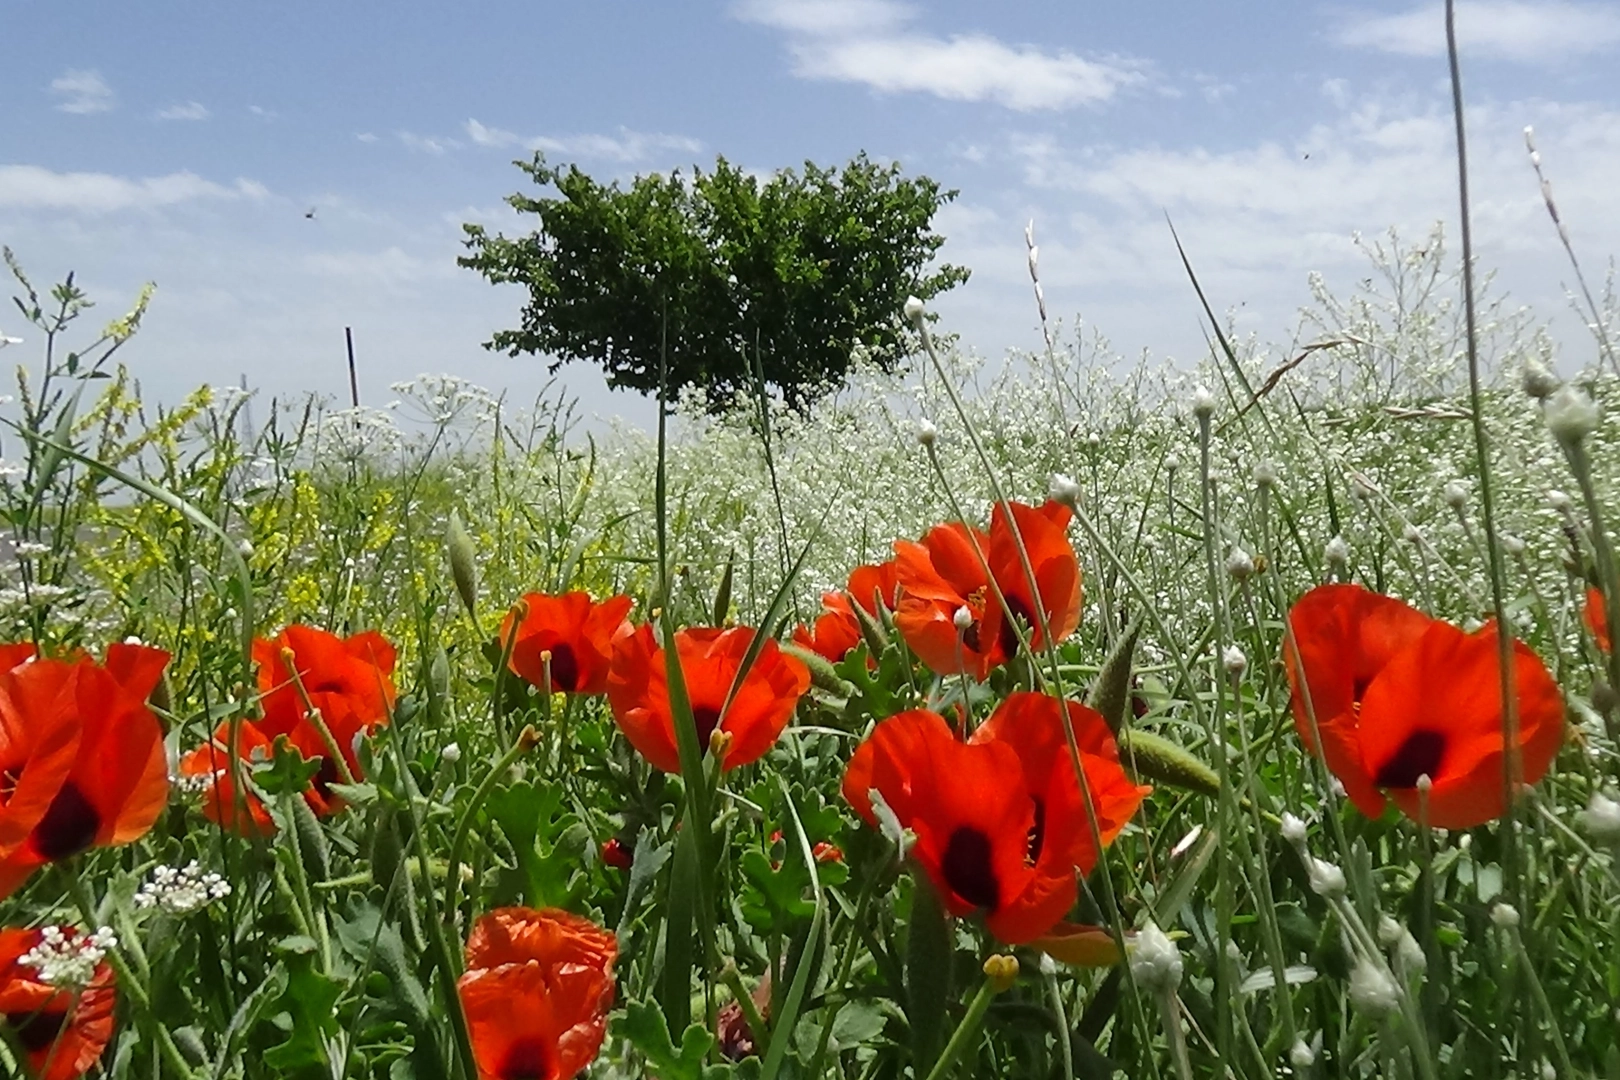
column 183, row 142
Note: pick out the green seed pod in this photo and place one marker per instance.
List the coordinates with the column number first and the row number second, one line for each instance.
column 822, row 674
column 1154, row 757
column 1110, row 695
column 462, row 567
column 872, row 632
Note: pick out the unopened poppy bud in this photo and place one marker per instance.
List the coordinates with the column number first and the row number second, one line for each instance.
column 926, row 432
column 1002, row 971
column 1293, row 829
column 720, row 741
column 913, row 309
column 463, row 569
column 1203, row 402
column 962, row 619
column 1064, row 490
column 244, row 548
column 1234, row 661
column 1155, row 960
column 1240, row 564
column 1372, row 990
column 1504, row 916
column 1389, row 931
column 450, row 754
column 1327, row 880
column 1513, row 545
column 1560, row 501
column 1537, row 380
column 1601, row 818
column 1265, row 474
column 1572, row 415
column 1300, row 1055
column 1337, row 554
column 1548, row 1072
column 1455, row 495
column 1409, row 956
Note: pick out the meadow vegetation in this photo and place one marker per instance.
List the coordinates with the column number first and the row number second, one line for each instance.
column 353, row 796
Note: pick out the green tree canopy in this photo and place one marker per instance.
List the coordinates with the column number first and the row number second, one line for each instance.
column 797, row 270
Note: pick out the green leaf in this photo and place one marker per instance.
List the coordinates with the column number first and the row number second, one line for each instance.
column 310, row 1002
column 644, row 1026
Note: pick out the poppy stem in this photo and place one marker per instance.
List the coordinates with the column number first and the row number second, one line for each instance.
column 968, row 1030
column 526, row 741
column 316, row 720
column 1170, row 1014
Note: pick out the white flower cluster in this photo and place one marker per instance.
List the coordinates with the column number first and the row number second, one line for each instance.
column 68, row 963
column 179, row 890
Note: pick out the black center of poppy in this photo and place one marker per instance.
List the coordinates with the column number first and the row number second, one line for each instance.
column 326, row 777
column 967, row 868
column 1016, row 609
column 1419, row 755
column 36, row 1030
column 1358, row 689
column 527, row 1059
column 331, row 685
column 1037, row 834
column 707, row 720
column 564, row 668
column 69, row 826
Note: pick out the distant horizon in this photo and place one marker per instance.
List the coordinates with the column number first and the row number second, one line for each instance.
column 1269, row 136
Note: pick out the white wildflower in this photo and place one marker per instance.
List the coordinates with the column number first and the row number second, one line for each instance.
column 67, row 959
column 451, row 753
column 179, row 890
column 913, row 309
column 1572, row 415
column 1372, row 989
column 1601, row 818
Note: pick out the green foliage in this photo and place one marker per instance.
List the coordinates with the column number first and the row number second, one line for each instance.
column 730, row 277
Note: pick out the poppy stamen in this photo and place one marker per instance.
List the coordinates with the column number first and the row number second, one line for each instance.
column 1037, row 835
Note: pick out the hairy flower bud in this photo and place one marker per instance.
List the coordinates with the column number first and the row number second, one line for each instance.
column 1155, row 960
column 1572, row 415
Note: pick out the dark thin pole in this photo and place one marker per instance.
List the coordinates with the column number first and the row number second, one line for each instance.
column 354, row 384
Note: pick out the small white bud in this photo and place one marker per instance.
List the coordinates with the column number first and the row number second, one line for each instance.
column 1560, row 501
column 1327, row 880
column 1265, row 474
column 1239, row 564
column 1601, row 818
column 1409, row 954
column 913, row 309
column 1389, row 931
column 1155, row 960
column 1062, row 489
column 1203, row 402
column 1536, row 380
column 1504, row 916
column 1034, row 259
column 1300, row 1055
column 1455, row 495
column 244, row 548
column 926, row 432
column 1513, row 545
column 1293, row 829
column 1337, row 553
column 962, row 619
column 1530, row 138
column 1234, row 661
column 1093, row 440
column 451, row 753
column 1572, row 415
column 1372, row 990
column 1411, row 534
column 1548, row 1072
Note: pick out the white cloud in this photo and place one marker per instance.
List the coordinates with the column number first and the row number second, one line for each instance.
column 627, row 146
column 867, row 41
column 1542, row 31
column 426, row 144
column 366, row 137
column 29, row 187
column 83, row 92
column 191, row 110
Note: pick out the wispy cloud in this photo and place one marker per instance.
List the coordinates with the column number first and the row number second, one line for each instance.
column 627, row 146
column 191, row 110
column 29, row 187
column 1524, row 31
column 871, row 42
column 425, row 144
column 82, row 92
column 366, row 137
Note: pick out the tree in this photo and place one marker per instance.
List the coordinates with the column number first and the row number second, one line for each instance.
column 720, row 272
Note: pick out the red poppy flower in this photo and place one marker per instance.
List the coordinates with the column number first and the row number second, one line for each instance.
column 837, row 630
column 118, row 782
column 39, row 739
column 617, row 854
column 212, row 762
column 638, row 692
column 349, row 680
column 1597, row 619
column 536, row 993
column 1398, row 695
column 1000, row 821
column 946, row 573
column 578, row 634
column 63, row 1032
